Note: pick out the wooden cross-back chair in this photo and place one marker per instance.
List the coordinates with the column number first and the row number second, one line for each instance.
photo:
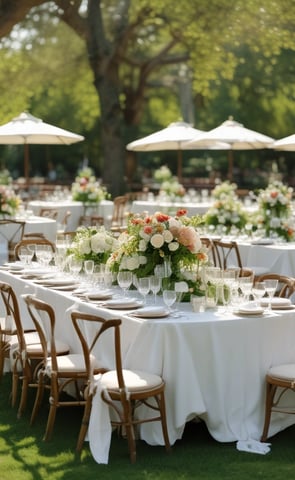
column 32, row 242
column 286, row 284
column 12, row 231
column 129, row 388
column 227, row 255
column 118, row 223
column 58, row 372
column 49, row 213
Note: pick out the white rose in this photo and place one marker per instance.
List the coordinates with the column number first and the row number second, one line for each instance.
column 157, row 240
column 142, row 246
column 142, row 260
column 84, row 246
column 173, row 246
column 132, row 263
column 168, row 237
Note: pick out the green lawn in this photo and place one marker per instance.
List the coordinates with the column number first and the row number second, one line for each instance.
column 24, row 456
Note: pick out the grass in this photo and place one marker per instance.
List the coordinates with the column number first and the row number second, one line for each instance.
column 24, row 455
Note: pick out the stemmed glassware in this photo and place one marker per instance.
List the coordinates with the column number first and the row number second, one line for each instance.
column 26, row 255
column 44, row 254
column 88, row 266
column 155, row 286
column 124, row 279
column 270, row 287
column 245, row 284
column 169, row 298
column 258, row 291
column 144, row 286
column 75, row 266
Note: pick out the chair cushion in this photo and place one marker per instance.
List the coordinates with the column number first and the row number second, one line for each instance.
column 36, row 348
column 73, row 362
column 285, row 372
column 135, row 380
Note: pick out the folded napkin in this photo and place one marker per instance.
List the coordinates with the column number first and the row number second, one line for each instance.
column 253, row 446
column 99, row 430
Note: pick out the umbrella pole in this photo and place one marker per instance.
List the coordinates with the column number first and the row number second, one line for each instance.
column 26, row 164
column 179, row 164
column 230, row 165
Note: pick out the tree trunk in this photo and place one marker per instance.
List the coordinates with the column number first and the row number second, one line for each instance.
column 105, row 67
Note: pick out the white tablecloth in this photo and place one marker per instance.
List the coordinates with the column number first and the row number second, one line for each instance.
column 139, row 206
column 277, row 258
column 104, row 209
column 213, row 364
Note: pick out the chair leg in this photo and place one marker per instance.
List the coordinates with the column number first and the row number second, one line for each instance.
column 84, row 424
column 14, row 388
column 270, row 393
column 164, row 422
column 50, row 421
column 38, row 398
column 24, row 395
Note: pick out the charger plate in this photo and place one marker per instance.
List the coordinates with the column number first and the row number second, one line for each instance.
column 151, row 312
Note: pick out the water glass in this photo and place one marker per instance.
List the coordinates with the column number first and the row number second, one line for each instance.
column 144, row 286
column 155, row 286
column 124, row 279
column 169, row 298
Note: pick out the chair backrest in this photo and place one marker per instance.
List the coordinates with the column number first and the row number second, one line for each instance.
column 118, row 217
column 43, row 317
column 49, row 213
column 12, row 231
column 12, row 313
column 91, row 220
column 89, row 337
column 211, row 249
column 227, row 254
column 286, row 284
column 31, row 242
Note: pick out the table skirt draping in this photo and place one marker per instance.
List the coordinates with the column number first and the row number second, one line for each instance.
column 213, row 364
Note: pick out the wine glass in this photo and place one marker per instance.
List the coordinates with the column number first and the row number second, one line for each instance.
column 245, row 284
column 155, row 284
column 270, row 288
column 124, row 279
column 258, row 291
column 44, row 254
column 75, row 266
column 169, row 298
column 26, row 255
column 143, row 286
column 88, row 266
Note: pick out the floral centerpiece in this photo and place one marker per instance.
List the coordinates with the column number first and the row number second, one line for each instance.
column 9, row 201
column 5, row 177
column 169, row 184
column 87, row 189
column 275, row 211
column 160, row 239
column 227, row 211
column 93, row 243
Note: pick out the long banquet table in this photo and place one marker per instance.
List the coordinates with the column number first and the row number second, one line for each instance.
column 213, row 363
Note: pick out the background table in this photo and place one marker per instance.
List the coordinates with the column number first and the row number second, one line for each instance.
column 77, row 209
column 213, row 364
column 139, row 206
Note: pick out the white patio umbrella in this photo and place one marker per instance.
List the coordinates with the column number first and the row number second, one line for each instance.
column 172, row 137
column 27, row 129
column 235, row 135
column 286, row 143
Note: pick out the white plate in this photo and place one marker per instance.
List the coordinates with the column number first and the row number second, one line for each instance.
column 249, row 312
column 14, row 266
column 276, row 302
column 250, row 308
column 151, row 312
column 121, row 304
column 97, row 294
column 262, row 241
column 56, row 282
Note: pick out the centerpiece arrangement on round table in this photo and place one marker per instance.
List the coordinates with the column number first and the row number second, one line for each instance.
column 9, row 202
column 275, row 211
column 160, row 239
column 87, row 188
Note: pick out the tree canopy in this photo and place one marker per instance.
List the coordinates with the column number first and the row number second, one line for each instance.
column 133, row 53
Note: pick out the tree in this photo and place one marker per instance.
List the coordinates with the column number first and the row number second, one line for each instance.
column 131, row 45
